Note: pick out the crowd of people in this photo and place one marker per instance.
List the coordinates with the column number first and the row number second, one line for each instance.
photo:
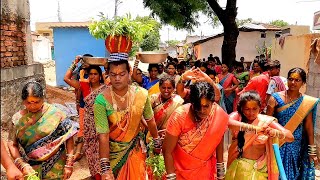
column 182, row 110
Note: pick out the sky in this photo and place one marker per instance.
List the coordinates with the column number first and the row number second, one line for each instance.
column 292, row 11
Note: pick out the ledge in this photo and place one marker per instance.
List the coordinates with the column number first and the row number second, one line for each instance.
column 9, row 74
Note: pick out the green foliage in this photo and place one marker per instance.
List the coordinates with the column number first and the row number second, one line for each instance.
column 134, row 50
column 264, row 49
column 172, row 42
column 279, row 23
column 241, row 22
column 182, row 14
column 156, row 162
column 151, row 39
column 133, row 29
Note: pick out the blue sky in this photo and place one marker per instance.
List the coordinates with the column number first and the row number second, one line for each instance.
column 293, row 11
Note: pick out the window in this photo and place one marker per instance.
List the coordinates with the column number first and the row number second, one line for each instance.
column 263, row 35
column 46, row 34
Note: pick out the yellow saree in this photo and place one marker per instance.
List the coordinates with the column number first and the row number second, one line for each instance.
column 263, row 168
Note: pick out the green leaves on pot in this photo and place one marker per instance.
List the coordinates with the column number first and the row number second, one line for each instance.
column 125, row 26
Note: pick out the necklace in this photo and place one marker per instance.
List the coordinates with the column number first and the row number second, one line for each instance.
column 121, row 98
column 286, row 96
column 123, row 113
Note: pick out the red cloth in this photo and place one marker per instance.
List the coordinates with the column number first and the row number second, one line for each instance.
column 260, row 85
column 85, row 88
column 200, row 162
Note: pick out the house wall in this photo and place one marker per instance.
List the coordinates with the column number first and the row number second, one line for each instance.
column 41, row 49
column 246, row 45
column 294, row 53
column 313, row 89
column 70, row 42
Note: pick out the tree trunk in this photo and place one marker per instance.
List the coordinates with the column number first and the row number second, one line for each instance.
column 228, row 49
column 231, row 32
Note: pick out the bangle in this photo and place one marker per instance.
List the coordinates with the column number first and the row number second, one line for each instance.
column 15, row 161
column 68, row 166
column 72, row 67
column 104, row 165
column 157, row 142
column 171, row 176
column 312, row 150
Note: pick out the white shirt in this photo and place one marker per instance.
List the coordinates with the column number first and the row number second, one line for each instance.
column 272, row 88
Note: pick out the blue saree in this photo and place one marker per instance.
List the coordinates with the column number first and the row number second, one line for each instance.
column 294, row 155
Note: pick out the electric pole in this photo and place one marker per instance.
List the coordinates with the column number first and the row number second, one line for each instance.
column 116, row 4
column 58, row 12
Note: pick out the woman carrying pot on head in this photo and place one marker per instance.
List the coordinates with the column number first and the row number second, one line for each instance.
column 150, row 83
column 41, row 141
column 296, row 112
column 73, row 75
column 90, row 88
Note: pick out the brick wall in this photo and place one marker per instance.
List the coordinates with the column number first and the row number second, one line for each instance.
column 13, row 40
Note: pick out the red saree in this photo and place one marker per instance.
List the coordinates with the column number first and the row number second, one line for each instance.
column 194, row 157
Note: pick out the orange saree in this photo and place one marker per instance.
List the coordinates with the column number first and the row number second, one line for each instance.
column 127, row 151
column 251, row 138
column 194, row 157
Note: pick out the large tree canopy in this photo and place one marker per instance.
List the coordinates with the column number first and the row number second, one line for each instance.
column 152, row 39
column 184, row 14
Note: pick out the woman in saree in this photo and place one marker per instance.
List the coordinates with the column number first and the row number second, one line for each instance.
column 256, row 69
column 296, row 112
column 229, row 83
column 118, row 113
column 150, row 83
column 251, row 154
column 42, row 139
column 187, row 153
column 163, row 105
column 90, row 88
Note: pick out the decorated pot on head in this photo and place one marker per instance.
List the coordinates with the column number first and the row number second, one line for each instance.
column 118, row 47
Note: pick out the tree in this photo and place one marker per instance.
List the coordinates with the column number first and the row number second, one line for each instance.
column 172, row 42
column 241, row 22
column 183, row 14
column 279, row 23
column 151, row 40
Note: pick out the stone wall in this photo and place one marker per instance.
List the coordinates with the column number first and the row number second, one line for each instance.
column 313, row 89
column 12, row 81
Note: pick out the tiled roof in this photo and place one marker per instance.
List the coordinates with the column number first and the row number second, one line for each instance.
column 70, row 25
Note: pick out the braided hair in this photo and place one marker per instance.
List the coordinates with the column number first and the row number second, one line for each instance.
column 244, row 98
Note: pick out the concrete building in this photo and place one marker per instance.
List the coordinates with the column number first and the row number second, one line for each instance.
column 70, row 40
column 252, row 37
